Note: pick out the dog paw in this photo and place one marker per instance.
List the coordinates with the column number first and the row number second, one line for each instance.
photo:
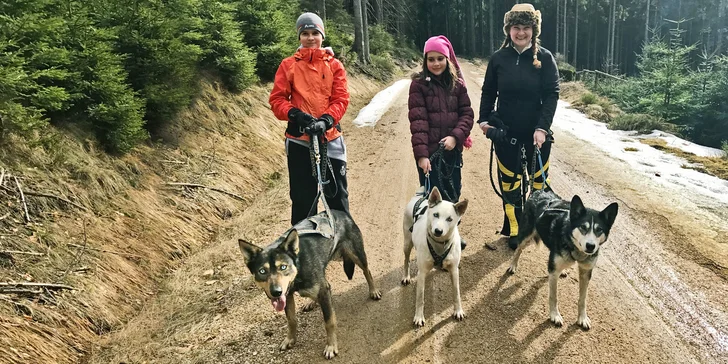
column 419, row 321
column 458, row 315
column 287, row 343
column 511, row 269
column 330, row 351
column 375, row 295
column 563, row 274
column 556, row 318
column 310, row 306
column 406, row 281
column 584, row 322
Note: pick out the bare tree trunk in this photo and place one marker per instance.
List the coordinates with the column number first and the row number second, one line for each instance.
column 471, row 26
column 322, row 9
column 614, row 31
column 566, row 33
column 379, row 7
column 358, row 31
column 491, row 9
column 722, row 27
column 365, row 26
column 445, row 13
column 558, row 27
column 576, row 30
column 647, row 23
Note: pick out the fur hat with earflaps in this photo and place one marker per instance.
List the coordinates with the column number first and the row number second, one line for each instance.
column 524, row 14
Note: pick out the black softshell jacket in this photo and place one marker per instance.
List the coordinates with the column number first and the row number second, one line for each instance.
column 527, row 96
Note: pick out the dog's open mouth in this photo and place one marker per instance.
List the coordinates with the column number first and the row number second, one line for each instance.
column 279, row 303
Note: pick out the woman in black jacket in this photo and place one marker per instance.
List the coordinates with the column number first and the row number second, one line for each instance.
column 524, row 78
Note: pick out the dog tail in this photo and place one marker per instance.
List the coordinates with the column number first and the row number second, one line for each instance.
column 349, row 268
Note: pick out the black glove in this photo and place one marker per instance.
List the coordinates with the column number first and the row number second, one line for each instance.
column 496, row 134
column 328, row 120
column 317, row 127
column 300, row 118
column 495, row 120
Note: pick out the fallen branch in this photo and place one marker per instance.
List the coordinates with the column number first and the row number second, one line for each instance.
column 194, row 185
column 22, row 198
column 21, row 291
column 4, row 286
column 4, row 217
column 20, row 252
column 105, row 251
column 48, row 195
column 172, row 161
column 2, row 177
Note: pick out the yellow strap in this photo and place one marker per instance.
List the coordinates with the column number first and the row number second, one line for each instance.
column 511, row 213
column 505, row 170
column 508, row 187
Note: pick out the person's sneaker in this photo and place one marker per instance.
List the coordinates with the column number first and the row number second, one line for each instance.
column 463, row 244
column 513, row 242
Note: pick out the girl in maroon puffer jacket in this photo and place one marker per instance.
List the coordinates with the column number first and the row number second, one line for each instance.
column 440, row 118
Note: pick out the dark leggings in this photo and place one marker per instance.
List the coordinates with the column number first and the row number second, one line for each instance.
column 304, row 186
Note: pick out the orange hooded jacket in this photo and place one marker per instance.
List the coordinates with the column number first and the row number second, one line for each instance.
column 313, row 81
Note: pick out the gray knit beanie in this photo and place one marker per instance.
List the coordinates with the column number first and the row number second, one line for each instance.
column 310, row 21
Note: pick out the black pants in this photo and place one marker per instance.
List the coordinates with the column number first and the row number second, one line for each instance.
column 453, row 163
column 513, row 182
column 304, row 185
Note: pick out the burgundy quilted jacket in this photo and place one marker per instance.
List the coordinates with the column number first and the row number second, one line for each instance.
column 435, row 113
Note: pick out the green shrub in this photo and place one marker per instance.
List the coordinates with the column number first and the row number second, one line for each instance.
column 268, row 28
column 589, row 98
column 381, row 67
column 380, row 41
column 642, row 123
column 223, row 50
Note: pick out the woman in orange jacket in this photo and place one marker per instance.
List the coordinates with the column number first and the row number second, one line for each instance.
column 310, row 92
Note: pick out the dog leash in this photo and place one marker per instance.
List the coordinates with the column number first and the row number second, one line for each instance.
column 320, row 194
column 537, row 156
column 443, row 169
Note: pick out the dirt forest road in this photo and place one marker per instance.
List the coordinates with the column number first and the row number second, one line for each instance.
column 651, row 299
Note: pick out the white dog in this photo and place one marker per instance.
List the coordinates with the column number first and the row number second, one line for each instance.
column 431, row 226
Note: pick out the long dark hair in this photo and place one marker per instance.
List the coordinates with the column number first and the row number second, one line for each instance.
column 449, row 78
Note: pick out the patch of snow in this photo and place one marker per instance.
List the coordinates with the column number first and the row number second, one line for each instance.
column 655, row 164
column 381, row 102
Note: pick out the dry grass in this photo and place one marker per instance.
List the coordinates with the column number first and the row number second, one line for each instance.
column 714, row 166
column 227, row 141
column 593, row 106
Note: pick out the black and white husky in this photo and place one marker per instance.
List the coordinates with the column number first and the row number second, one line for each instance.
column 572, row 233
column 431, row 227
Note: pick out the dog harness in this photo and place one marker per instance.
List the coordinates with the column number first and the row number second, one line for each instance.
column 321, row 226
column 437, row 258
column 418, row 211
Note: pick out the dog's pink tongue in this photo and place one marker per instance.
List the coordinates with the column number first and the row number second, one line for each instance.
column 279, row 304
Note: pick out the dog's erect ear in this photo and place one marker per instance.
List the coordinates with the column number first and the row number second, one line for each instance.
column 435, row 197
column 577, row 209
column 461, row 206
column 290, row 243
column 250, row 250
column 609, row 214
